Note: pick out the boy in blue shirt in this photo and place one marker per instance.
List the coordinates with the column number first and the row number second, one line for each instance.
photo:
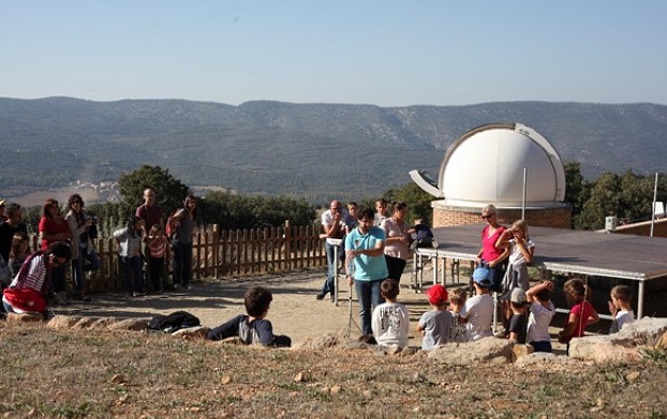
column 252, row 328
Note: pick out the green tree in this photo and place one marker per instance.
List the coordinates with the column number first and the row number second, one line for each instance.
column 604, row 200
column 110, row 216
column 577, row 190
column 629, row 197
column 170, row 191
column 233, row 211
column 418, row 200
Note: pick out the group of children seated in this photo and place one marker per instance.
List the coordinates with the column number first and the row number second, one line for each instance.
column 453, row 317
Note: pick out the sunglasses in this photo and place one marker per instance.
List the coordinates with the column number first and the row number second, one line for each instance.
column 486, row 217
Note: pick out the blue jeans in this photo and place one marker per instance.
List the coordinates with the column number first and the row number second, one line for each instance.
column 329, row 283
column 132, row 267
column 79, row 266
column 182, row 262
column 368, row 294
column 496, row 275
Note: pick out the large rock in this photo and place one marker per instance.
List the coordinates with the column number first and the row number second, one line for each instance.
column 24, row 317
column 623, row 346
column 130, row 324
column 198, row 332
column 320, row 342
column 521, row 350
column 646, row 331
column 487, row 350
column 544, row 358
column 604, row 349
column 662, row 343
column 102, row 322
column 60, row 322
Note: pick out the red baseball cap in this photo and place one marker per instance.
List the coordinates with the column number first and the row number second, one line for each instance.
column 437, row 294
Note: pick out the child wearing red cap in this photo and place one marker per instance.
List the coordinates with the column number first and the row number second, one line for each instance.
column 434, row 325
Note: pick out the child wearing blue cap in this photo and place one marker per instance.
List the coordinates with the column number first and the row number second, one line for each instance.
column 477, row 312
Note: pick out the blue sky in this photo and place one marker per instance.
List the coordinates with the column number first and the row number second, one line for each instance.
column 388, row 53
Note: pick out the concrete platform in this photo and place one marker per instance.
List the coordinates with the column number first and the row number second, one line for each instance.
column 636, row 258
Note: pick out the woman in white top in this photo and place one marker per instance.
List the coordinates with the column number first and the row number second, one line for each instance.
column 397, row 248
column 521, row 251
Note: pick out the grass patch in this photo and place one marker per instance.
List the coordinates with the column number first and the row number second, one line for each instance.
column 70, row 374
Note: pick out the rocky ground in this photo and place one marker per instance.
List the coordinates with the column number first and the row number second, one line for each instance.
column 111, row 371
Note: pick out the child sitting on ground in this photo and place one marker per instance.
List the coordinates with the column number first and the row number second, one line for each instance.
column 423, row 235
column 619, row 307
column 252, row 328
column 519, row 319
column 582, row 313
column 542, row 310
column 434, row 325
column 390, row 321
column 477, row 312
column 457, row 331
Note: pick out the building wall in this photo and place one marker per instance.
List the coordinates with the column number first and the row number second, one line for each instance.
column 446, row 216
column 644, row 228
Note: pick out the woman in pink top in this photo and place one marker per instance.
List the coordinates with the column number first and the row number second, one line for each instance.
column 490, row 256
column 53, row 228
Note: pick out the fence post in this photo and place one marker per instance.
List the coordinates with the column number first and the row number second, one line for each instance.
column 288, row 245
column 225, row 251
column 216, row 247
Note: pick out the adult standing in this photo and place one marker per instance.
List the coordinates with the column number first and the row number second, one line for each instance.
column 365, row 255
column 397, row 249
column 12, row 223
column 79, row 222
column 334, row 227
column 2, row 210
column 53, row 228
column 184, row 222
column 27, row 292
column 150, row 211
column 352, row 215
column 152, row 214
column 380, row 212
column 490, row 256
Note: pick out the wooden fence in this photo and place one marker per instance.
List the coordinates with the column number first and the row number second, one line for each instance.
column 232, row 253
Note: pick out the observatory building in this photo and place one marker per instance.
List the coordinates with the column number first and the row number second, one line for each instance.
column 510, row 166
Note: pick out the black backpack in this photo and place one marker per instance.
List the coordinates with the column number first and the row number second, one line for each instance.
column 173, row 322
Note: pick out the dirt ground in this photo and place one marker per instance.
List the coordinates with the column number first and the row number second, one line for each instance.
column 294, row 311
column 84, row 373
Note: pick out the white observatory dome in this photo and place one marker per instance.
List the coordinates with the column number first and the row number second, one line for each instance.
column 486, row 165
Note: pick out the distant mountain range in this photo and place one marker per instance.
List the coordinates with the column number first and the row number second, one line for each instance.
column 317, row 151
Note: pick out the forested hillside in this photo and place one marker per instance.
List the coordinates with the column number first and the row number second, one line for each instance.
column 316, row 151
